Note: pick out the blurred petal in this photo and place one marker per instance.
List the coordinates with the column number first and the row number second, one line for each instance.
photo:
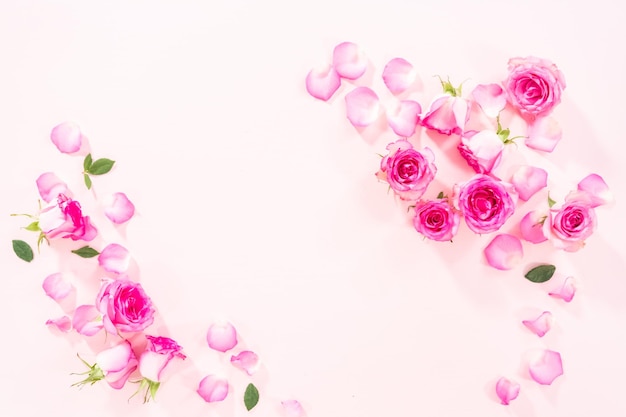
column 50, row 186
column 118, row 208
column 67, row 137
column 399, row 75
column 64, row 323
column 567, row 290
column 531, row 227
column 504, row 252
column 87, row 320
column 55, row 287
column 222, row 336
column 527, row 180
column 246, row 361
column 597, row 189
column 541, row 324
column 293, row 408
column 543, row 134
column 403, row 118
column 362, row 106
column 491, row 98
column 507, row 390
column 322, row 83
column 349, row 60
column 213, row 388
column 545, row 367
column 114, row 258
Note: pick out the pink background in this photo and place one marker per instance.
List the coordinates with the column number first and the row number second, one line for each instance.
column 258, row 204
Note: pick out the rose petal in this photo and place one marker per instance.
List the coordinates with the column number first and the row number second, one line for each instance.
column 531, row 227
column 481, row 150
column 528, row 180
column 293, row 408
column 507, row 390
column 349, row 60
column 597, row 189
column 118, row 208
column 246, row 361
column 399, row 75
column 152, row 364
column 544, row 134
column 403, row 118
column 87, row 320
column 56, row 288
column 63, row 323
column 504, row 252
column 50, row 186
column 115, row 359
column 541, row 325
column 567, row 290
column 447, row 115
column 322, row 83
column 491, row 98
column 114, row 258
column 222, row 336
column 67, row 137
column 213, row 388
column 545, row 367
column 362, row 106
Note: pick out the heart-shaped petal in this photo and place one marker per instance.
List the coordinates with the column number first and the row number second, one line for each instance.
column 507, row 390
column 404, row 117
column 322, row 83
column 399, row 75
column 213, row 388
column 362, row 106
column 67, row 137
column 349, row 60
column 118, row 208
column 114, row 258
column 222, row 336
column 545, row 366
column 528, row 180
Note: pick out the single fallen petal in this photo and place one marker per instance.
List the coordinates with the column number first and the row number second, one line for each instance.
column 528, row 180
column 544, row 134
column 541, row 325
column 50, row 186
column 545, row 366
column 63, row 323
column 504, row 252
column 349, row 60
column 322, row 83
column 114, row 258
column 404, row 117
column 222, row 336
column 567, row 290
column 491, row 98
column 247, row 361
column 213, row 388
column 67, row 137
column 293, row 408
column 87, row 320
column 362, row 106
column 399, row 75
column 531, row 227
column 57, row 288
column 118, row 208
column 598, row 190
column 507, row 390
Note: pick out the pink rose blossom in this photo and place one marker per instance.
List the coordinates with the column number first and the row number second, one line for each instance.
column 486, row 203
column 570, row 225
column 436, row 220
column 158, row 354
column 124, row 306
column 482, row 150
column 117, row 363
column 447, row 115
column 65, row 218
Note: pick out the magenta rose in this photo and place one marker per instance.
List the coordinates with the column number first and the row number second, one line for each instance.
column 534, row 85
column 407, row 171
column 574, row 222
column 485, row 203
column 436, row 220
column 65, row 218
column 124, row 306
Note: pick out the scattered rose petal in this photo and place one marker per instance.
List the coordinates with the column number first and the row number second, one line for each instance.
column 399, row 75
column 246, row 361
column 67, row 137
column 531, row 227
column 544, row 134
column 293, row 408
column 349, row 60
column 541, row 324
column 50, row 186
column 567, row 290
column 597, row 189
column 118, row 208
column 447, row 115
column 222, row 337
column 114, row 258
column 404, row 117
column 322, row 83
column 491, row 98
column 56, row 288
column 87, row 320
column 528, row 180
column 545, row 367
column 213, row 388
column 504, row 252
column 63, row 323
column 507, row 390
column 362, row 106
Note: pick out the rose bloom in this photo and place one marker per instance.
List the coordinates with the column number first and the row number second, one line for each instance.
column 436, row 220
column 117, row 363
column 407, row 171
column 65, row 218
column 158, row 354
column 534, row 85
column 485, row 203
column 124, row 306
column 574, row 222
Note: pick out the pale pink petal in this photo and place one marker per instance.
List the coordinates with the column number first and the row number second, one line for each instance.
column 447, row 115
column 504, row 252
column 246, row 361
column 567, row 290
column 541, row 325
column 403, row 118
column 63, row 323
column 507, row 390
column 528, row 180
column 118, row 208
column 115, row 359
column 213, row 388
column 67, row 137
column 152, row 364
column 598, row 190
column 491, row 98
column 87, row 320
column 544, row 134
column 222, row 336
column 362, row 106
column 545, row 366
column 50, row 186
column 322, row 83
column 531, row 227
column 349, row 60
column 56, row 288
column 114, row 258
column 293, row 408
column 399, row 75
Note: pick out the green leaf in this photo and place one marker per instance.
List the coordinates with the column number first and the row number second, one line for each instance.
column 541, row 273
column 100, row 166
column 87, row 162
column 551, row 202
column 440, row 195
column 33, row 227
column 87, row 181
column 23, row 250
column 86, row 252
column 251, row 396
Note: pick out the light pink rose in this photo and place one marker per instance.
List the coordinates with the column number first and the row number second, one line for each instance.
column 486, row 203
column 534, row 85
column 65, row 218
column 570, row 225
column 117, row 363
column 159, row 352
column 482, row 150
column 436, row 220
column 407, row 171
column 124, row 306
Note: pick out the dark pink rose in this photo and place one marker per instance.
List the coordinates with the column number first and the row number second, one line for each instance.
column 570, row 225
column 485, row 203
column 436, row 220
column 65, row 218
column 124, row 306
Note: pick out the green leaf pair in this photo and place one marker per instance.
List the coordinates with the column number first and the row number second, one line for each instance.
column 98, row 167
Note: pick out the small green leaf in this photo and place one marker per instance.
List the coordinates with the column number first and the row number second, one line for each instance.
column 23, row 250
column 86, row 252
column 251, row 396
column 33, row 227
column 440, row 195
column 87, row 181
column 551, row 202
column 87, row 162
column 100, row 166
column 541, row 273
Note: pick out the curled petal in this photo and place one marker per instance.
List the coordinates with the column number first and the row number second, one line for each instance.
column 597, row 189
column 293, row 408
column 507, row 390
column 63, row 323
column 545, row 366
column 447, row 115
column 114, row 258
column 567, row 290
column 67, row 137
column 119, row 208
column 404, row 117
column 543, row 134
column 528, row 180
column 399, row 75
column 246, row 361
column 323, row 82
column 362, row 106
column 213, row 388
column 56, row 288
column 222, row 336
column 481, row 150
column 504, row 252
column 349, row 60
column 491, row 98
column 531, row 227
column 50, row 186
column 87, row 320
column 541, row 325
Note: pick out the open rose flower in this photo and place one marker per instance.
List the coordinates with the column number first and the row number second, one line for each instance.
column 159, row 352
column 436, row 220
column 114, row 365
column 486, row 203
column 65, row 218
column 482, row 150
column 407, row 171
column 571, row 224
column 124, row 306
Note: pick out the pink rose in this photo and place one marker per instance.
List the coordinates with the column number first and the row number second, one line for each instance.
column 534, row 85
column 158, row 354
column 482, row 150
column 117, row 363
column 485, row 203
column 65, row 218
column 124, row 306
column 407, row 171
column 436, row 220
column 574, row 222
column 447, row 115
